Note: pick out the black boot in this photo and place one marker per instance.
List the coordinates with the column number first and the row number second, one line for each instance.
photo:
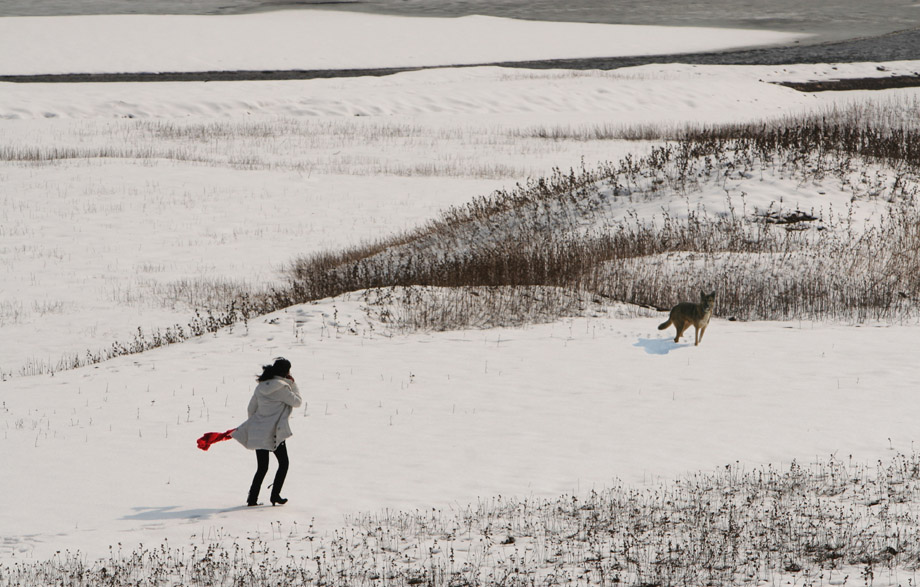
column 261, row 469
column 253, row 498
column 280, row 474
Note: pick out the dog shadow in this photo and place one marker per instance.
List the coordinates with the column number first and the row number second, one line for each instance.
column 660, row 346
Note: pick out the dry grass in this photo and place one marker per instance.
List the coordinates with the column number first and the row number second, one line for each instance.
column 549, row 247
column 831, row 522
column 553, row 232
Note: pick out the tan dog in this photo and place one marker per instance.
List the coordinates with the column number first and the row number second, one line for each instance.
column 686, row 313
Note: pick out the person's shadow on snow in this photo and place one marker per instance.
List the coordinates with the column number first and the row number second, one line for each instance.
column 170, row 513
column 659, row 346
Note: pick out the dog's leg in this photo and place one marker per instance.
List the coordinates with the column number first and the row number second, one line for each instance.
column 681, row 327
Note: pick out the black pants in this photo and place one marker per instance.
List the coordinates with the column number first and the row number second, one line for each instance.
column 262, row 469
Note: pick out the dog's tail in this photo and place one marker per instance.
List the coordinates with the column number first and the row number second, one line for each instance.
column 665, row 324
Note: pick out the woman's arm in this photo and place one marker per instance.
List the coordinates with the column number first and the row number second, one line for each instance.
column 290, row 394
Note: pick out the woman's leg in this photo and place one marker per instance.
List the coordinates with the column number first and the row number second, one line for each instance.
column 261, row 470
column 282, row 456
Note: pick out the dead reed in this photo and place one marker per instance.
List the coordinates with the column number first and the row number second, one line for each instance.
column 557, row 231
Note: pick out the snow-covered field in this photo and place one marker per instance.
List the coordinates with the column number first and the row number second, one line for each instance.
column 314, row 39
column 116, row 198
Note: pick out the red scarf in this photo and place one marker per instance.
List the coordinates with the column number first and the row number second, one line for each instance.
column 205, row 442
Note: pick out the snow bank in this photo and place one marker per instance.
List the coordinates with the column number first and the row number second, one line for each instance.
column 310, row 39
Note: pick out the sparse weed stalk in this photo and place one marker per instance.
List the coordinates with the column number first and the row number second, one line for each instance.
column 434, row 309
column 305, row 145
column 791, row 524
column 142, row 341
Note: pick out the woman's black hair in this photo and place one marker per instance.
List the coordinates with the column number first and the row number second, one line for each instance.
column 280, row 368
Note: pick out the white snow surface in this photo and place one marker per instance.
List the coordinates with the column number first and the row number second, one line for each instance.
column 315, row 39
column 104, row 455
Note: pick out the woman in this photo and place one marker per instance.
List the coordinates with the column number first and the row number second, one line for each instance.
column 275, row 396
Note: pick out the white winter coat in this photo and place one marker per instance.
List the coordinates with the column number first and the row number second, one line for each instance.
column 269, row 410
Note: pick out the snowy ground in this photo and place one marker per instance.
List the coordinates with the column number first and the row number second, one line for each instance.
column 169, row 182
column 313, row 39
column 107, row 455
